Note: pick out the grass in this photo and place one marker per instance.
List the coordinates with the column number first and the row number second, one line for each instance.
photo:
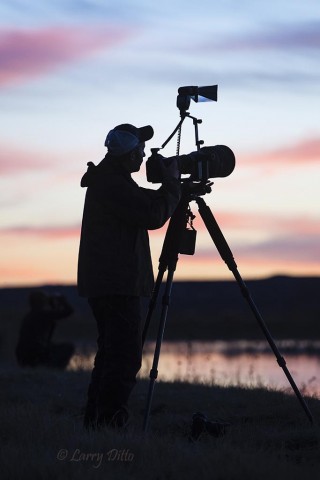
column 41, row 423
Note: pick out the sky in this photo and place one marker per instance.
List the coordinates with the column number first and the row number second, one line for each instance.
column 72, row 70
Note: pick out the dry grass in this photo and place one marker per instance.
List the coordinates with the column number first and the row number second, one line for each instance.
column 41, row 422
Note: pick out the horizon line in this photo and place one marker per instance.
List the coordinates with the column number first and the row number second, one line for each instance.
column 196, row 280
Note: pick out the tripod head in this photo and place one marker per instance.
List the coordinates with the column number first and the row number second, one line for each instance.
column 205, row 162
column 195, row 189
column 185, row 95
column 197, row 94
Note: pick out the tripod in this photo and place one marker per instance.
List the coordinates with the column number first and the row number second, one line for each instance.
column 174, row 244
column 178, row 239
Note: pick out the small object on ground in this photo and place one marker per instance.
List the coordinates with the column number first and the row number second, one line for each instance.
column 201, row 424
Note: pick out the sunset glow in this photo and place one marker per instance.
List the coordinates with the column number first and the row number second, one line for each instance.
column 72, row 71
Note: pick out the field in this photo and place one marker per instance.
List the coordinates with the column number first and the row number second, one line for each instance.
column 42, row 436
column 269, row 436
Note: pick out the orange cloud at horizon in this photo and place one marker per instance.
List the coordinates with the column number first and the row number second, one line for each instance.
column 55, row 271
column 52, row 259
column 263, row 221
column 264, row 244
column 226, row 219
column 32, row 261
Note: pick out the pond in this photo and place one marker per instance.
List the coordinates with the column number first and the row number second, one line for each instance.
column 247, row 363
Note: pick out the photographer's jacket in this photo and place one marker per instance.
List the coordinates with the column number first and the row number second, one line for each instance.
column 114, row 255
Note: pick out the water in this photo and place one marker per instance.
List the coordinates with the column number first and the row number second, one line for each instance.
column 246, row 363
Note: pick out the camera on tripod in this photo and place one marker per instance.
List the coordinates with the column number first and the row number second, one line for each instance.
column 206, row 162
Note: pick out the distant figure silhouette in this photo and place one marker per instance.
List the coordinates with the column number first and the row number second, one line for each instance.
column 34, row 346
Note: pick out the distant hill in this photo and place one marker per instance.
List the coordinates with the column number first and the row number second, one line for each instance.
column 290, row 307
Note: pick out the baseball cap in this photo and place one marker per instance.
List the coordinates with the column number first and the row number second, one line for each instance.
column 124, row 138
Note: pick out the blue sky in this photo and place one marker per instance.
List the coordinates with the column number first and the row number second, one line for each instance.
column 71, row 70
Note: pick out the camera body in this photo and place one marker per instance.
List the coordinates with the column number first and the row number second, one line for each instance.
column 201, row 165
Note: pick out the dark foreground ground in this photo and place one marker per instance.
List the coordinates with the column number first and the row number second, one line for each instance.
column 41, row 433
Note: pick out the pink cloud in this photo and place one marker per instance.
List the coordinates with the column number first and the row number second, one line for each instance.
column 282, row 253
column 269, row 222
column 14, row 160
column 28, row 53
column 277, row 225
column 306, row 151
column 51, row 232
column 291, row 249
column 256, row 221
column 17, row 272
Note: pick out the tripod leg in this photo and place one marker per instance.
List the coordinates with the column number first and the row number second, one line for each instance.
column 226, row 254
column 152, row 303
column 168, row 261
column 162, row 324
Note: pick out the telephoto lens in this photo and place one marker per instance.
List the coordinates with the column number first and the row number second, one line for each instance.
column 201, row 165
column 208, row 162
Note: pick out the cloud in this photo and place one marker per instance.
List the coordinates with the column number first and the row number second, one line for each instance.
column 269, row 222
column 235, row 221
column 305, row 36
column 16, row 273
column 50, row 232
column 14, row 160
column 287, row 253
column 304, row 249
column 305, row 151
column 278, row 250
column 263, row 222
column 276, row 225
column 29, row 53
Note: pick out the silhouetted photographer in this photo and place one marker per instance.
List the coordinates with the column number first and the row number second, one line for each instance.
column 115, row 269
column 35, row 346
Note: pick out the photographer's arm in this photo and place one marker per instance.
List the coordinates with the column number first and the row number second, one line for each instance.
column 139, row 206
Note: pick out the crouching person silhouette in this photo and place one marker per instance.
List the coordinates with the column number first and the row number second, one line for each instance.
column 114, row 265
column 35, row 346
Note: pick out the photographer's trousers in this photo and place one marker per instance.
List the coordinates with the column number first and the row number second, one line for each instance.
column 118, row 358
